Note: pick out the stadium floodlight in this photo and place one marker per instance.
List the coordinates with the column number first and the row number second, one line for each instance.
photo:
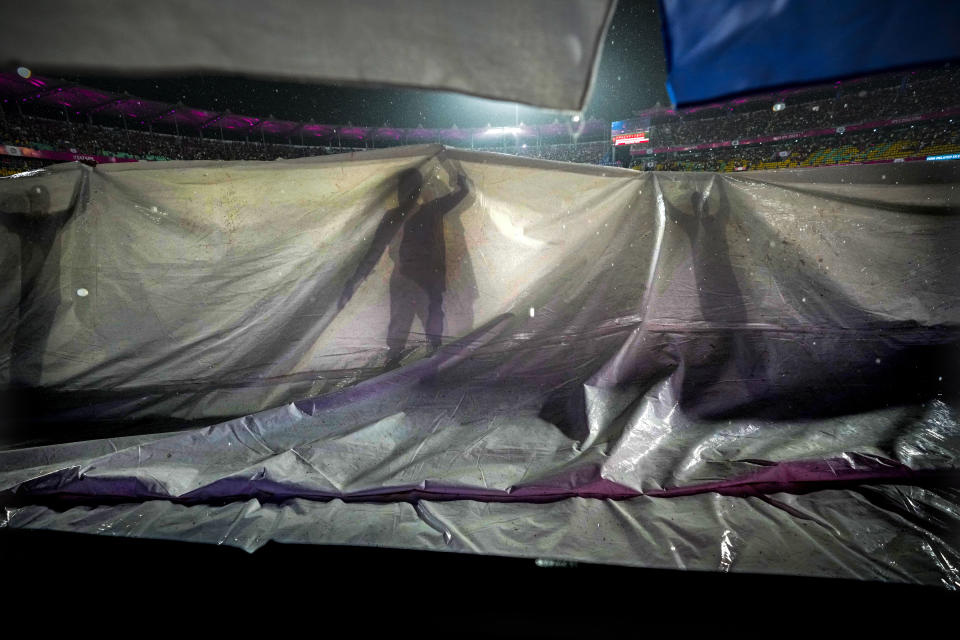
column 502, row 131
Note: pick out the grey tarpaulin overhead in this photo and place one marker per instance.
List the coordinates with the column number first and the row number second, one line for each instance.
column 539, row 52
column 730, row 372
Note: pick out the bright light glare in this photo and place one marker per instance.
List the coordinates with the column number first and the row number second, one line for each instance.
column 23, row 72
column 576, row 118
column 502, row 131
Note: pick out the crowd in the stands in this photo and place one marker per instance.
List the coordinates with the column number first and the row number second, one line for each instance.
column 53, row 135
column 905, row 141
column 878, row 98
column 826, row 107
column 583, row 152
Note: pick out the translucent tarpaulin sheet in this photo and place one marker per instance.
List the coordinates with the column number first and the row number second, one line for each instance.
column 432, row 348
column 540, row 52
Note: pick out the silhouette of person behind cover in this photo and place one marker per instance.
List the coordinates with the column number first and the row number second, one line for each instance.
column 723, row 306
column 28, row 216
column 419, row 276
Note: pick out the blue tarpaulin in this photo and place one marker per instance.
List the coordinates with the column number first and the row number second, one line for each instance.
column 726, row 47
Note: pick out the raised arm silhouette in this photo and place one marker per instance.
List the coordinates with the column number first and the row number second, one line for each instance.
column 418, row 280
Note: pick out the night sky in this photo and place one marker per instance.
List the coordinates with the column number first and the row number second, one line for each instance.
column 631, row 76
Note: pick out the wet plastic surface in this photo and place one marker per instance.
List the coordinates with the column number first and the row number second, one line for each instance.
column 540, row 52
column 514, row 357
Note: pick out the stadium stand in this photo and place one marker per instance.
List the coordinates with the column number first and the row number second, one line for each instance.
column 874, row 98
column 889, row 117
column 51, row 135
column 47, row 134
column 12, row 165
column 904, row 142
column 55, row 116
column 911, row 111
